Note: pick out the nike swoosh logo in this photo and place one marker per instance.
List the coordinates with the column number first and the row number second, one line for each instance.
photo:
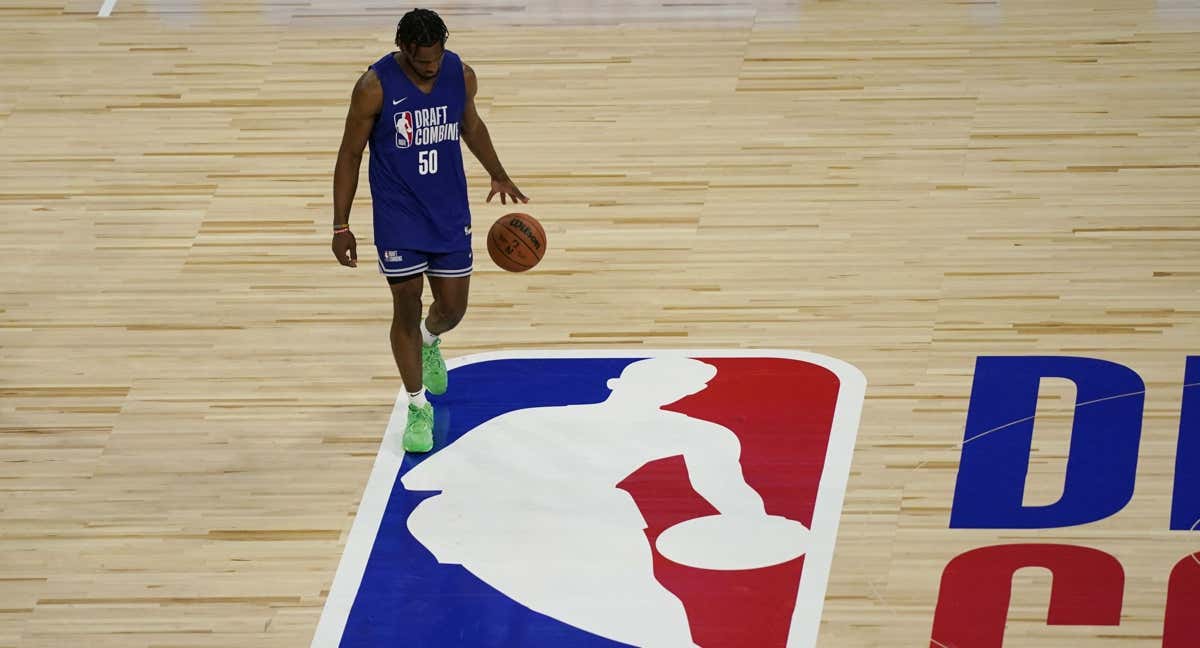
column 467, row 230
column 397, row 102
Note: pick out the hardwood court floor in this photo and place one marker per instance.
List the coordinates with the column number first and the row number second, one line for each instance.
column 192, row 391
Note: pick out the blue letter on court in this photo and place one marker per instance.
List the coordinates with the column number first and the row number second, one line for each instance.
column 1102, row 460
column 1185, row 508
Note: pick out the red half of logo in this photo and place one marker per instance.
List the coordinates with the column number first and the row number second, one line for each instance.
column 796, row 422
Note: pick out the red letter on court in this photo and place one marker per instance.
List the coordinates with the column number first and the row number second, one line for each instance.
column 1182, row 625
column 1087, row 589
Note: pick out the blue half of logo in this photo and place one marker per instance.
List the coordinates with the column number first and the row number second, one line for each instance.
column 406, row 597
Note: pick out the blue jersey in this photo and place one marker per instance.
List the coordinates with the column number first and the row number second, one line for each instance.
column 418, row 185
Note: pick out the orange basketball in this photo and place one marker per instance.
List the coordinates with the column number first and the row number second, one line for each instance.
column 516, row 242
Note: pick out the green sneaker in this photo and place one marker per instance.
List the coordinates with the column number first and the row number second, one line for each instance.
column 433, row 368
column 418, row 433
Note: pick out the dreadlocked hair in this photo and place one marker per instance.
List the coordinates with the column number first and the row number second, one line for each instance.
column 421, row 28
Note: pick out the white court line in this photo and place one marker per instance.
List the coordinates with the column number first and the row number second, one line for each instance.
column 959, row 446
column 1077, row 405
column 107, row 8
column 997, row 428
column 1196, row 556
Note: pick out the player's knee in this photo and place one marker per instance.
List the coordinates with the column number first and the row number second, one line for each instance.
column 406, row 306
column 454, row 314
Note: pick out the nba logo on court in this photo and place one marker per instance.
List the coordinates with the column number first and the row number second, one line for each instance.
column 404, row 128
column 598, row 498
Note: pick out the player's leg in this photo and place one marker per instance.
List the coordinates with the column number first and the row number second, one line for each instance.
column 450, row 281
column 406, row 328
column 406, row 283
column 449, row 302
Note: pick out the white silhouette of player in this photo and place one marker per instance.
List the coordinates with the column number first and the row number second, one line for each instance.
column 529, row 501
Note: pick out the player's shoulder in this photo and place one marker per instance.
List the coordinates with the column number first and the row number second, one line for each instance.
column 368, row 81
column 368, row 91
column 468, row 72
column 469, row 78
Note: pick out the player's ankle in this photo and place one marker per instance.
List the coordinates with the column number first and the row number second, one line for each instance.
column 427, row 338
column 417, row 398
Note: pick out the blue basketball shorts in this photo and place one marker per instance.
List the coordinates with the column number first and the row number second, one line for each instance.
column 405, row 263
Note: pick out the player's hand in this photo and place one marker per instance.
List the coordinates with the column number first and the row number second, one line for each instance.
column 505, row 187
column 345, row 248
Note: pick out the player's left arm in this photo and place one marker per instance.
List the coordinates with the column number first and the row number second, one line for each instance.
column 475, row 134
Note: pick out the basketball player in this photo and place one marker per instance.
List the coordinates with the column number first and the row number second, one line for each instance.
column 414, row 105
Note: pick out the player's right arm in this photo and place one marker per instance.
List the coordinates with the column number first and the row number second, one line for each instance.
column 366, row 102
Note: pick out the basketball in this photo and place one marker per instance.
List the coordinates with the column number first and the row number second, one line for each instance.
column 516, row 242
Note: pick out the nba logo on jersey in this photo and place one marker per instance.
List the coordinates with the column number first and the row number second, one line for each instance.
column 601, row 499
column 404, row 129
